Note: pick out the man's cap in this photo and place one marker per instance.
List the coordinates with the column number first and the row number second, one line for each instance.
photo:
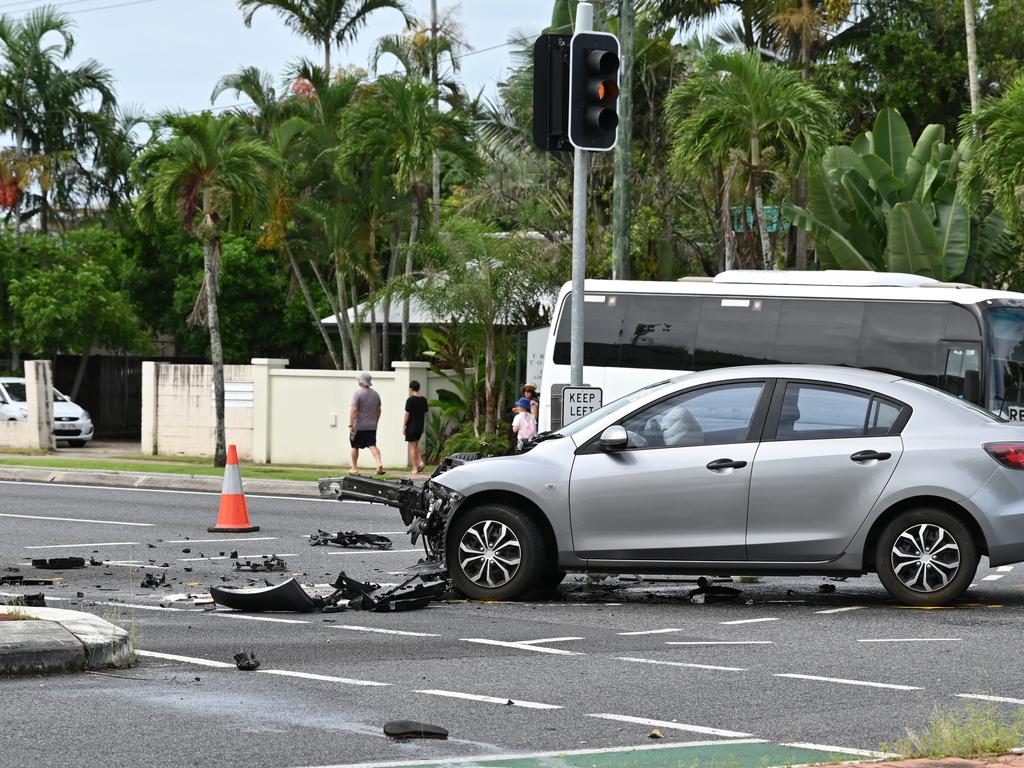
column 364, row 378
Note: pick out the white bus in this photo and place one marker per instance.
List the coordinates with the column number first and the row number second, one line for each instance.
column 966, row 340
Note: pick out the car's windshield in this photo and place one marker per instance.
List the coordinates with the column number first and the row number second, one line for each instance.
column 595, row 416
column 16, row 391
column 1006, row 338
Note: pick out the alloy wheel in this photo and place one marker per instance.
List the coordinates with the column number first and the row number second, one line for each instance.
column 925, row 557
column 489, row 553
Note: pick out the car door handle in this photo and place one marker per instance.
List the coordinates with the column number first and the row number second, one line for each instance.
column 861, row 456
column 720, row 464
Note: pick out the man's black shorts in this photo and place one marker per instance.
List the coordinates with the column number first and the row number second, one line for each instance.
column 364, row 438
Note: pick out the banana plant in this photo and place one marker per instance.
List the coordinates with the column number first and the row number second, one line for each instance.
column 885, row 203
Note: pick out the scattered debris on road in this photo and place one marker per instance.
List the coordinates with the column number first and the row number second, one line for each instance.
column 410, row 729
column 151, row 582
column 59, row 563
column 350, row 539
column 288, row 596
column 655, row 734
column 415, row 592
column 246, row 661
column 708, row 592
column 272, row 563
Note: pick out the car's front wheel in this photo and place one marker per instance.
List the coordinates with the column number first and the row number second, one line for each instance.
column 926, row 557
column 495, row 552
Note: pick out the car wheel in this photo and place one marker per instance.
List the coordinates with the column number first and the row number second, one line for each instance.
column 926, row 557
column 550, row 580
column 495, row 552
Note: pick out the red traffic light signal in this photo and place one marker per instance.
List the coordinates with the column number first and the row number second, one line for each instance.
column 593, row 90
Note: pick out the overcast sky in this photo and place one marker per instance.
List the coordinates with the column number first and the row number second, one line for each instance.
column 170, row 53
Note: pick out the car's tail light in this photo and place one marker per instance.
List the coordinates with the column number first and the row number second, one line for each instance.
column 1008, row 454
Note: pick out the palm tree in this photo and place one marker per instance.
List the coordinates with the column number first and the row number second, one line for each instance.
column 209, row 172
column 397, row 120
column 327, row 23
column 734, row 108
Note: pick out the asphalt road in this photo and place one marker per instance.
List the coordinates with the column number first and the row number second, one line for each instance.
column 599, row 667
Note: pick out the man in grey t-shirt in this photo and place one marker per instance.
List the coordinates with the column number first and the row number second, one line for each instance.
column 362, row 422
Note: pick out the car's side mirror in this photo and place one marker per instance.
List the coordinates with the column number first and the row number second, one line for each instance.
column 614, row 438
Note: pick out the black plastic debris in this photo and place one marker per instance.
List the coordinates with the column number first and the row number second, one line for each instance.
column 25, row 582
column 246, row 661
column 415, row 592
column 59, row 563
column 286, row 596
column 234, row 554
column 707, row 592
column 350, row 539
column 29, row 601
column 94, row 561
column 410, row 729
column 151, row 582
column 272, row 563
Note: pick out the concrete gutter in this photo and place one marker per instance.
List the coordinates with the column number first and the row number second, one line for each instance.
column 154, row 481
column 60, row 641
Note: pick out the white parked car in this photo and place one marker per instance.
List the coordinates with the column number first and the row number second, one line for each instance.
column 71, row 422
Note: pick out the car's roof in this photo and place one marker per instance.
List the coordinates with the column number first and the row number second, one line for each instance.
column 836, row 373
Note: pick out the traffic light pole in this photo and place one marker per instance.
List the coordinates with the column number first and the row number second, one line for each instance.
column 584, row 23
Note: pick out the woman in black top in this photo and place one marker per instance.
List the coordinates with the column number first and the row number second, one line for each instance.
column 415, row 418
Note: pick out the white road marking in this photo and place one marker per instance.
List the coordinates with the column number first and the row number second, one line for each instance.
column 912, row 640
column 1004, row 568
column 844, row 681
column 185, row 659
column 719, row 642
column 76, row 520
column 133, row 564
column 233, row 615
column 151, row 607
column 651, row 631
column 673, row 726
column 81, row 546
column 751, row 621
column 302, row 499
column 490, row 699
column 225, row 557
column 373, row 551
column 842, row 610
column 843, row 750
column 548, row 640
column 382, row 631
column 534, row 755
column 520, row 646
column 324, row 678
column 681, row 664
column 998, row 699
column 992, row 577
column 21, row 594
column 217, row 541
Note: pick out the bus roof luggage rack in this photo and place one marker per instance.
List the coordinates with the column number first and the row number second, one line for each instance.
column 948, row 285
column 839, row 277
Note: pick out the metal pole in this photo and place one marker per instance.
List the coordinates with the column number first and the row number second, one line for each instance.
column 584, row 23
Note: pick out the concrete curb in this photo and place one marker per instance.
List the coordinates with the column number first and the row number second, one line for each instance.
column 60, row 641
column 154, row 481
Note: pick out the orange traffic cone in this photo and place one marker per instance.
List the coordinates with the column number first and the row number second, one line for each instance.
column 233, row 516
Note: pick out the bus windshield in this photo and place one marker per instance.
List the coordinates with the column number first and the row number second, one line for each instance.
column 1006, row 337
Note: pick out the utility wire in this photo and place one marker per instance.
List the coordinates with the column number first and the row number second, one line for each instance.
column 77, row 12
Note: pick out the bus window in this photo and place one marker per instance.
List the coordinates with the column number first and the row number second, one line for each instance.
column 904, row 339
column 1006, row 335
column 660, row 332
column 962, row 372
column 603, row 317
column 819, row 332
column 736, row 331
column 962, row 324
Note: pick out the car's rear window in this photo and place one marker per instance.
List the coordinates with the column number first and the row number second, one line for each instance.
column 945, row 397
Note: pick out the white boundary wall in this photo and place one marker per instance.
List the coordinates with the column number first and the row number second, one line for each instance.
column 275, row 414
column 36, row 431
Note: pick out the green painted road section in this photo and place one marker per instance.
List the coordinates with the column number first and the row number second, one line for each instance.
column 725, row 755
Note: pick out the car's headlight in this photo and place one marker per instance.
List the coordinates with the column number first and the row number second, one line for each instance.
column 23, row 413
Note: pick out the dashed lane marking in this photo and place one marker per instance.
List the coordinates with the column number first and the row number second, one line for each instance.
column 303, row 499
column 233, row 615
column 521, row 646
column 842, row 750
column 216, row 541
column 549, row 640
column 184, row 659
column 681, row 664
column 844, row 681
column 383, row 631
column 652, row 631
column 76, row 520
column 133, row 564
column 374, row 551
column 324, row 678
column 751, row 621
column 225, row 557
column 489, row 699
column 81, row 546
column 997, row 699
column 150, row 607
column 911, row 640
column 992, row 577
column 842, row 610
column 673, row 726
column 1004, row 568
column 719, row 642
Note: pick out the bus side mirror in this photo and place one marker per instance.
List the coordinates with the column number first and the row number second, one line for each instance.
column 614, row 438
column 972, row 386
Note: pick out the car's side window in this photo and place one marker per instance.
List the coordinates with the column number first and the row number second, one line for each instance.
column 708, row 416
column 882, row 416
column 813, row 411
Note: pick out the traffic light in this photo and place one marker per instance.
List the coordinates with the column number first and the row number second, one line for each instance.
column 593, row 90
column 551, row 92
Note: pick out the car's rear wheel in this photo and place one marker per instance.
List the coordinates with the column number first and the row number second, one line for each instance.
column 495, row 552
column 926, row 557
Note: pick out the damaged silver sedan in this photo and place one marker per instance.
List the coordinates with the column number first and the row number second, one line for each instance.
column 761, row 470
